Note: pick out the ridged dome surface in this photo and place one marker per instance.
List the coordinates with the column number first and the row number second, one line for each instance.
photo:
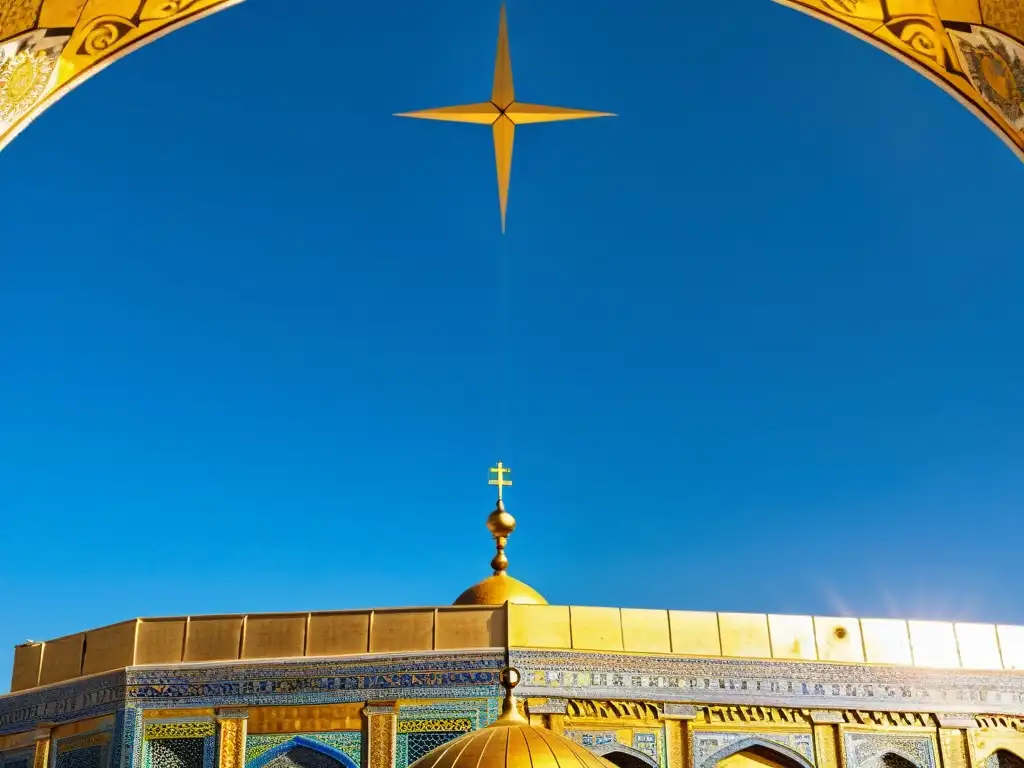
column 511, row 744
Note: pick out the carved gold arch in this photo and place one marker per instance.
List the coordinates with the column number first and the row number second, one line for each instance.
column 971, row 48
column 47, row 47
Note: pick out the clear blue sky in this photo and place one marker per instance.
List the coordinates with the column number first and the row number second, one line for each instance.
column 756, row 346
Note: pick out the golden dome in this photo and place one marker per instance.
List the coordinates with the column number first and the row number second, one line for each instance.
column 500, row 588
column 511, row 742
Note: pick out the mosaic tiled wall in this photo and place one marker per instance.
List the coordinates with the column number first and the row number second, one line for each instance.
column 423, row 727
column 23, row 759
column 296, row 749
column 178, row 744
column 175, row 753
column 91, row 750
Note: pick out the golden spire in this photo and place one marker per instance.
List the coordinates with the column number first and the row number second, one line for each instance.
column 500, row 523
column 509, row 678
column 503, row 113
column 499, row 587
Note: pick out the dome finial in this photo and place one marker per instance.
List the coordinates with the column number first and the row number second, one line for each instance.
column 509, row 678
column 499, row 587
column 500, row 523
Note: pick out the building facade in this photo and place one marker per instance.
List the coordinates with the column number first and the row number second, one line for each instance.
column 644, row 689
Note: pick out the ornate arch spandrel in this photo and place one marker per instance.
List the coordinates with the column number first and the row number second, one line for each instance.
column 785, row 754
column 48, row 47
column 973, row 49
column 985, row 758
column 301, row 741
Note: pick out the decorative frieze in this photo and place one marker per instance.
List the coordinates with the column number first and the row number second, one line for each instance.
column 617, row 710
column 779, row 715
column 891, row 719
column 767, row 683
column 1000, row 722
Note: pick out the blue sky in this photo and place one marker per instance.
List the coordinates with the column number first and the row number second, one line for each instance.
column 753, row 345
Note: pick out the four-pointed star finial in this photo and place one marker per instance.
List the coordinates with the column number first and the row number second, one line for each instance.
column 503, row 113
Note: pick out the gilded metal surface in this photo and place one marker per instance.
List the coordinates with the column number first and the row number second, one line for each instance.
column 953, row 748
column 511, row 742
column 180, row 730
column 305, row 719
column 109, row 648
column 500, row 588
column 231, row 744
column 28, row 659
column 47, row 47
column 674, row 743
column 62, row 659
column 503, row 113
column 971, row 48
column 826, row 746
column 41, row 756
column 381, row 737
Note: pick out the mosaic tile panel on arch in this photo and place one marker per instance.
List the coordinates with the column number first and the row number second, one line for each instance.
column 179, row 744
column 712, row 746
column 870, row 750
column 646, row 742
column 261, row 746
column 89, row 750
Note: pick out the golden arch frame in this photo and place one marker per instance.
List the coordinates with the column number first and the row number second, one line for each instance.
column 972, row 49
column 49, row 47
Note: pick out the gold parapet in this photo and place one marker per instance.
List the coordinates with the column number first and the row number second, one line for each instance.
column 170, row 641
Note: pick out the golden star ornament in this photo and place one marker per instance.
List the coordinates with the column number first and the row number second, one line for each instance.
column 503, row 113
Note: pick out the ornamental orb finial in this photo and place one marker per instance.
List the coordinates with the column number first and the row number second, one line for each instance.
column 500, row 588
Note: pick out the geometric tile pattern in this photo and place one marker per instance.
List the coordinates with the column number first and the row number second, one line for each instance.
column 421, row 743
column 422, row 725
column 304, row 757
column 175, row 753
column 347, row 742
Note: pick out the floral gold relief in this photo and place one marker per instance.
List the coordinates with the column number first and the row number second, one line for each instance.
column 232, row 742
column 47, row 47
column 982, row 66
column 381, row 729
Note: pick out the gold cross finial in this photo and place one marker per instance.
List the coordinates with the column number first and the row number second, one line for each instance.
column 503, row 113
column 501, row 470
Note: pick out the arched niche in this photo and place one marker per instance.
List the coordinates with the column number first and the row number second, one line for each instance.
column 623, row 756
column 1004, row 758
column 300, row 752
column 893, row 760
column 755, row 752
